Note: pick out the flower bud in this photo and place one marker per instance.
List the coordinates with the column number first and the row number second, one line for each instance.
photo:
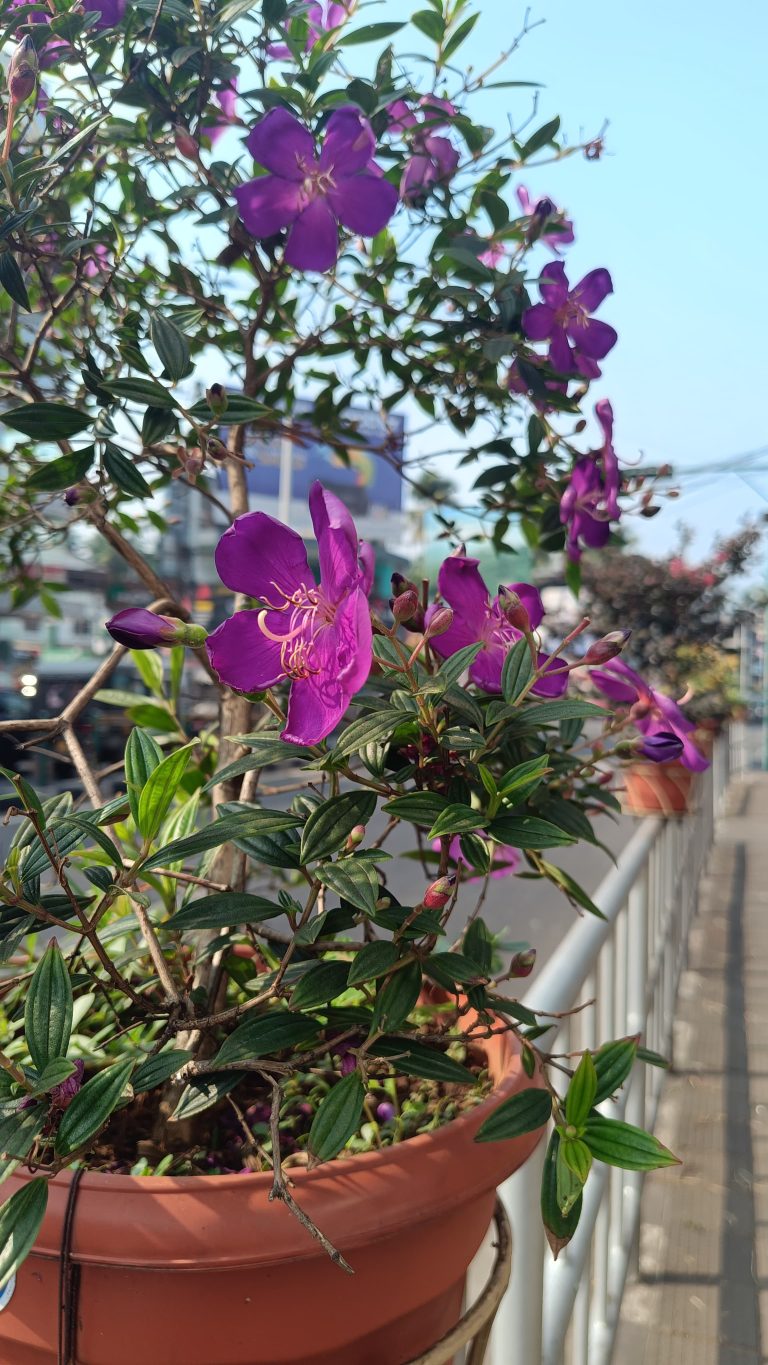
column 138, row 628
column 437, row 896
column 216, row 398
column 512, row 610
column 405, row 606
column 216, row 448
column 385, row 1112
column 439, row 623
column 22, row 71
column 185, row 143
column 62, row 1095
column 607, row 648
column 72, row 497
column 354, row 838
column 522, row 964
column 663, row 747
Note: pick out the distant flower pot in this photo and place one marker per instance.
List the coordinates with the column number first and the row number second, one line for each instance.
column 207, row 1271
column 666, row 789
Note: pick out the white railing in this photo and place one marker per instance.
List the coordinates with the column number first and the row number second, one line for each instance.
column 565, row 1312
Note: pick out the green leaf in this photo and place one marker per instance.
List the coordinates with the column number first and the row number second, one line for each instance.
column 522, row 1113
column 332, row 821
column 203, row 1092
column 613, row 1063
column 371, row 33
column 412, row 1058
column 421, row 808
column 578, row 1158
column 271, row 1032
column 337, row 1118
column 477, row 946
column 567, row 815
column 451, row 670
column 541, row 138
column 572, row 889
column 12, row 280
column 581, row 1092
column 516, row 672
column 223, row 909
column 156, row 424
column 240, row 410
column 20, row 1221
column 547, row 712
column 558, row 1226
column 19, row 1129
column 323, row 982
column 92, row 1106
column 396, row 998
column 244, row 824
column 157, row 1070
column 62, row 472
column 621, row 1144
column 160, row 788
column 430, row 23
column 457, row 819
column 523, row 779
column 374, row 959
column 449, row 968
column 48, row 1009
column 55, row 1073
column 457, row 38
column 644, row 1054
column 124, row 473
column 171, row 346
column 370, row 729
column 142, row 755
column 46, row 421
column 146, row 391
column 569, row 1183
column 354, row 879
column 527, row 831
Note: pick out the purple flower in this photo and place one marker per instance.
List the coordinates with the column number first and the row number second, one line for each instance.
column 506, row 860
column 494, row 254
column 110, row 11
column 478, row 618
column 518, row 382
column 98, row 263
column 434, row 158
column 317, row 635
column 226, row 98
column 663, row 747
column 591, row 501
column 321, row 19
column 63, row 1094
column 576, row 340
column 140, row 629
column 312, row 195
column 651, row 712
column 543, row 212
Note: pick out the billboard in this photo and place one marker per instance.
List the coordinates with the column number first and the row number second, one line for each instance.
column 285, row 467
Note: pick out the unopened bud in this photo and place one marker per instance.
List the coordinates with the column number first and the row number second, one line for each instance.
column 185, row 144
column 522, row 964
column 22, row 71
column 663, row 747
column 607, row 648
column 440, row 621
column 137, row 628
column 216, row 398
column 354, row 838
column 437, row 896
column 512, row 610
column 405, row 605
column 72, row 497
column 216, row 448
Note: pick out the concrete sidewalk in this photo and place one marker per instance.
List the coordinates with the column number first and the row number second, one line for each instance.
column 701, row 1296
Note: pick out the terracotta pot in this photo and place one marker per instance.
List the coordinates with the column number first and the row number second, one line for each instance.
column 659, row 789
column 205, row 1271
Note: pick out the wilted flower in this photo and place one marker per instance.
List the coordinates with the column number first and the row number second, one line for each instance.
column 477, row 618
column 318, row 636
column 576, row 340
column 138, row 628
column 652, row 712
column 542, row 213
column 311, row 195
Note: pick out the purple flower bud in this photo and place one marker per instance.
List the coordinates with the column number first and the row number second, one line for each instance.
column 607, row 648
column 522, row 964
column 72, row 497
column 402, row 588
column 439, row 623
column 405, row 605
column 22, row 72
column 216, row 448
column 63, row 1094
column 385, row 1112
column 216, row 398
column 663, row 747
column 512, row 608
column 138, row 628
column 437, row 896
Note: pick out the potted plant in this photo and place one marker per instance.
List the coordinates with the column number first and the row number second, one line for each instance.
column 235, row 1066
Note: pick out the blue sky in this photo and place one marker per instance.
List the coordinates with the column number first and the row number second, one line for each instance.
column 675, row 209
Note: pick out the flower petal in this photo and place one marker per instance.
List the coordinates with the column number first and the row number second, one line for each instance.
column 444, row 155
column 282, row 145
column 593, row 338
column 364, row 203
column 354, row 635
column 595, row 287
column 318, row 702
column 560, row 356
column 366, row 556
column 554, row 681
column 349, row 142
column 531, row 600
column 459, row 634
column 257, row 553
column 553, row 284
column 487, row 667
column 337, row 542
column 242, row 656
column 268, row 204
column 538, row 322
column 462, row 586
column 313, row 242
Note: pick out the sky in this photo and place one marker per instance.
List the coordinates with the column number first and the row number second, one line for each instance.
column 675, row 209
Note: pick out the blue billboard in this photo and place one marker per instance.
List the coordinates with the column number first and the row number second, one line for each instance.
column 364, row 472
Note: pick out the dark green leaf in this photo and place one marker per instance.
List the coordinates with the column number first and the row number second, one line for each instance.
column 266, row 1033
column 477, row 946
column 203, row 1092
column 157, row 1070
column 517, row 671
column 92, row 1106
column 521, row 1113
column 57, row 1071
column 322, row 983
column 527, row 831
column 451, row 670
column 621, row 1144
column 146, row 391
column 142, row 755
column 160, row 788
column 430, row 23
column 337, row 1118
column 48, row 1009
column 421, row 808
column 20, row 1221
column 171, row 346
column 243, row 824
column 457, row 819
column 540, row 138
column 547, row 712
column 644, row 1054
column 62, row 473
column 397, row 997
column 12, row 280
column 613, row 1063
column 371, row 33
column 457, row 38
column 124, row 473
column 46, row 421
column 223, row 909
column 332, row 821
column 412, row 1058
column 375, row 959
column 558, row 1226
column 354, row 879
column 449, row 968
column 371, row 729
